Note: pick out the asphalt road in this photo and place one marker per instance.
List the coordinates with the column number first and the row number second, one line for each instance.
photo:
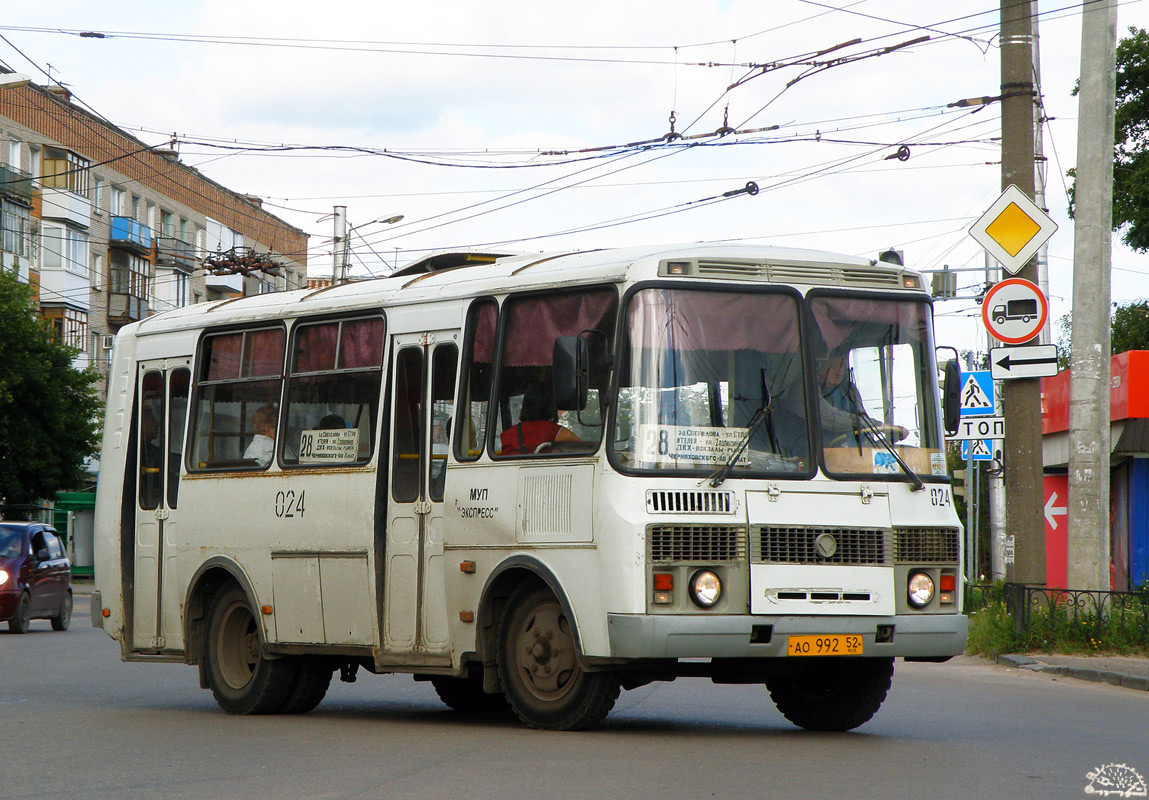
column 77, row 722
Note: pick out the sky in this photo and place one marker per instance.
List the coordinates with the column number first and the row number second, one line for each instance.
column 504, row 126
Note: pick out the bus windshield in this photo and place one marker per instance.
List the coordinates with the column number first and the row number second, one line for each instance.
column 876, row 388
column 710, row 377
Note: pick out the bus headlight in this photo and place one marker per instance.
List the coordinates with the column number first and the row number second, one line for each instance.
column 921, row 590
column 705, row 588
column 3, row 577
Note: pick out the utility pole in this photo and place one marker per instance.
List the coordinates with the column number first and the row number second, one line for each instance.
column 1021, row 398
column 1088, row 517
column 339, row 252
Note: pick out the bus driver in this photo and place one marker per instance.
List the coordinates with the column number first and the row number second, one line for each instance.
column 538, row 424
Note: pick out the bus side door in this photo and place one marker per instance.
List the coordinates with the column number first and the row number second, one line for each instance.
column 423, row 393
column 161, row 413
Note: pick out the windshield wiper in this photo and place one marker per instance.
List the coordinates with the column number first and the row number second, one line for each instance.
column 764, row 413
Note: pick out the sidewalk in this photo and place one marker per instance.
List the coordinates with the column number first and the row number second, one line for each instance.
column 1131, row 672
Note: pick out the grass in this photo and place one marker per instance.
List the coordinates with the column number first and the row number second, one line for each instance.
column 1055, row 628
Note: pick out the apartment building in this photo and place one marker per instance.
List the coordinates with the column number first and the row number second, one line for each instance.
column 109, row 230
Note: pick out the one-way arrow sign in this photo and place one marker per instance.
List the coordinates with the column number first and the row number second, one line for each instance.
column 1034, row 361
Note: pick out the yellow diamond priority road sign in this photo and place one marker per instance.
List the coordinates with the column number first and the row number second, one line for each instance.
column 1013, row 229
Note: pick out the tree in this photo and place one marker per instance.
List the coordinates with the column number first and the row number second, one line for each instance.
column 1131, row 142
column 1128, row 330
column 49, row 411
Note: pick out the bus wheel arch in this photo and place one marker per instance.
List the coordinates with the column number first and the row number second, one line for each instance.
column 501, row 585
column 211, row 578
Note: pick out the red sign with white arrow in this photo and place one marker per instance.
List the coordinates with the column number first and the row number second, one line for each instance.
column 1056, row 530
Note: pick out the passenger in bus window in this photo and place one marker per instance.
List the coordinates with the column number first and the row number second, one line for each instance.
column 262, row 447
column 538, row 424
column 331, row 422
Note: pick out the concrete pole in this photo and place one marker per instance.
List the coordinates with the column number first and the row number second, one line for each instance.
column 339, row 251
column 1021, row 398
column 1088, row 517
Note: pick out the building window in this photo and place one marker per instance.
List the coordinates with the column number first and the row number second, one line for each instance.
column 180, row 289
column 14, row 153
column 63, row 248
column 167, row 224
column 119, row 202
column 129, row 274
column 69, row 325
column 17, row 227
column 136, row 208
column 97, row 271
column 99, row 189
column 185, row 231
column 63, row 169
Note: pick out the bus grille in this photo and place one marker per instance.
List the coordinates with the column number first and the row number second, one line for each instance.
column 781, row 544
column 708, row 543
column 689, row 502
column 927, row 545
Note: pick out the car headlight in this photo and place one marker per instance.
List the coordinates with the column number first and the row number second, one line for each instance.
column 705, row 588
column 921, row 590
column 3, row 577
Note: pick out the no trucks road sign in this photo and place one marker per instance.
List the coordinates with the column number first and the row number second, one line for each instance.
column 1014, row 311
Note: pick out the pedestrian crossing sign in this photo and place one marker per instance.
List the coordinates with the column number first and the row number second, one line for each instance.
column 977, row 397
column 979, row 450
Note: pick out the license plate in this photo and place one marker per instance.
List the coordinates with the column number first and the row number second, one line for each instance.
column 843, row 645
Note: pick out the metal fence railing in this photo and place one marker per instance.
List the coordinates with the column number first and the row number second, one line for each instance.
column 1041, row 615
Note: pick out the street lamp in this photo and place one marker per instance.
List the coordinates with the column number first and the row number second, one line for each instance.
column 343, row 238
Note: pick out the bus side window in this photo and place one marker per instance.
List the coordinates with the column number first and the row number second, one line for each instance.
column 179, row 387
column 151, row 439
column 475, row 398
column 332, row 397
column 239, row 373
column 408, row 415
column 528, row 422
column 443, row 365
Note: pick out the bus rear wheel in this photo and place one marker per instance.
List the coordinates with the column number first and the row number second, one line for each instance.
column 309, row 687
column 241, row 678
column 466, row 695
column 540, row 670
column 833, row 694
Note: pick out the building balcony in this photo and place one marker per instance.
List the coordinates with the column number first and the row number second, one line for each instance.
column 16, row 184
column 127, row 234
column 125, row 308
column 172, row 252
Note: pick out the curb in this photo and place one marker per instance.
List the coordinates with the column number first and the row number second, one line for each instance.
column 1138, row 682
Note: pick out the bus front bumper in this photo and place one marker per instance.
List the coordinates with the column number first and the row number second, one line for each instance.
column 760, row 636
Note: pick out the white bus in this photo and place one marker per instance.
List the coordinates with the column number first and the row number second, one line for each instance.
column 536, row 480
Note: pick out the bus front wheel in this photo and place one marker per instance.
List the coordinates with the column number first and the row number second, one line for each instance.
column 539, row 668
column 832, row 694
column 242, row 680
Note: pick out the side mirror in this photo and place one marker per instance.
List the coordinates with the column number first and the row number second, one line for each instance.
column 570, row 373
column 42, row 554
column 951, row 397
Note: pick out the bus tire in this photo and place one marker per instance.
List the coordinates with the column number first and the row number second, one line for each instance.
column 833, row 694
column 539, row 669
column 242, row 680
column 466, row 695
column 312, row 679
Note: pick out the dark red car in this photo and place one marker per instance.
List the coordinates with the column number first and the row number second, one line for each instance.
column 35, row 576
